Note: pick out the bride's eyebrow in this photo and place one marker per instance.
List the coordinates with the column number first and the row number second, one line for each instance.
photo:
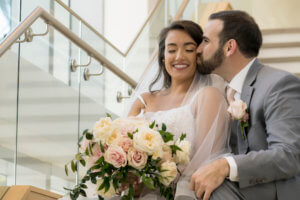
column 185, row 44
column 190, row 43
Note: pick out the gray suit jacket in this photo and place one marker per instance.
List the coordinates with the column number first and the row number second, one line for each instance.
column 268, row 160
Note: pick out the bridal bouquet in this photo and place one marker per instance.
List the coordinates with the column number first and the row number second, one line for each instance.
column 124, row 154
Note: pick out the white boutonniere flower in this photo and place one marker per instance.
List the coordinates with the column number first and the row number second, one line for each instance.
column 237, row 110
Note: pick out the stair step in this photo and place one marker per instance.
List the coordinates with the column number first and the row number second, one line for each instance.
column 281, row 60
column 280, row 52
column 280, row 44
column 281, row 35
column 292, row 67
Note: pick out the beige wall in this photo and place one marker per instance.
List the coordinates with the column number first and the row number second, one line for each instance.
column 271, row 14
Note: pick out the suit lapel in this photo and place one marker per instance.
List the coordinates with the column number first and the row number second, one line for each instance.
column 246, row 96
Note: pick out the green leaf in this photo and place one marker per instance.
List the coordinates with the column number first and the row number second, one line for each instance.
column 78, row 157
column 86, row 151
column 101, row 186
column 130, row 135
column 152, row 125
column 108, row 115
column 67, row 189
column 100, row 198
column 82, row 192
column 83, row 186
column 73, row 166
column 175, row 148
column 101, row 147
column 131, row 192
column 85, row 131
column 66, row 170
column 100, row 160
column 167, row 136
column 163, row 127
column 89, row 136
column 107, row 184
column 80, row 139
column 82, row 162
column 148, row 182
column 183, row 136
column 90, row 148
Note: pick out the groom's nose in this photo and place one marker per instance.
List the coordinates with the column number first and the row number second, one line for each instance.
column 200, row 48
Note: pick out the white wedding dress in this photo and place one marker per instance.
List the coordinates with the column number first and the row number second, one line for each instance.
column 203, row 117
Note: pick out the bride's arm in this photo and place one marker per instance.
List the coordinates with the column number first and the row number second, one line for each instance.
column 136, row 108
column 138, row 105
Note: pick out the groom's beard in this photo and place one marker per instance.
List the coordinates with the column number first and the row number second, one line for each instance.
column 207, row 66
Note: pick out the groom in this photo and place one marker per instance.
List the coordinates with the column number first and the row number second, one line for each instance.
column 265, row 164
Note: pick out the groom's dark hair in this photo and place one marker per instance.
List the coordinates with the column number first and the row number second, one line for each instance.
column 241, row 27
column 189, row 27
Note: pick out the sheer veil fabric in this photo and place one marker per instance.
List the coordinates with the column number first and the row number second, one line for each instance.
column 202, row 116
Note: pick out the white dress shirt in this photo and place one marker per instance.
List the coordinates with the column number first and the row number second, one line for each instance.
column 237, row 84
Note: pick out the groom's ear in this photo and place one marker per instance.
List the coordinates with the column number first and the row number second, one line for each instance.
column 230, row 47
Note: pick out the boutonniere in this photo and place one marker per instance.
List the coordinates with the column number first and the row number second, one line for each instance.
column 237, row 110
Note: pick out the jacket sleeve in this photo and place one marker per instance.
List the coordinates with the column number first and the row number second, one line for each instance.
column 281, row 160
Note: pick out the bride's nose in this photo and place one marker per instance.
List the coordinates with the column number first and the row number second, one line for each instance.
column 179, row 54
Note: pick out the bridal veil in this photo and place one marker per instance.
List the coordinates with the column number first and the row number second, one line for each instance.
column 206, row 101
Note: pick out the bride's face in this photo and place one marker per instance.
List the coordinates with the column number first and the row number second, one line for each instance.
column 180, row 55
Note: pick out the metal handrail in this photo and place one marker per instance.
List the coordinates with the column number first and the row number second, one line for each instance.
column 49, row 19
column 103, row 37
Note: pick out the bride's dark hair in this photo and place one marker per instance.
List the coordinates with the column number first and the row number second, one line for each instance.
column 191, row 28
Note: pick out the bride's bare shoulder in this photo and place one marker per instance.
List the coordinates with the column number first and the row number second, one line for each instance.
column 149, row 97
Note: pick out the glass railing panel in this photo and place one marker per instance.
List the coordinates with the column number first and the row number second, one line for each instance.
column 173, row 7
column 102, row 46
column 102, row 94
column 140, row 54
column 8, row 114
column 191, row 11
column 48, row 118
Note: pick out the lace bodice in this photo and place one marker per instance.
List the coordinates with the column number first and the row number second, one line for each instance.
column 178, row 120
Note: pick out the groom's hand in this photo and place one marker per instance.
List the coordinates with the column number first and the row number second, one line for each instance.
column 207, row 178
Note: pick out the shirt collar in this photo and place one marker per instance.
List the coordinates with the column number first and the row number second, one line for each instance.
column 238, row 80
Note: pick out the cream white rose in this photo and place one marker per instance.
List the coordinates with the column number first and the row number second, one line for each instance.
column 147, row 140
column 237, row 109
column 116, row 156
column 169, row 172
column 110, row 193
column 165, row 153
column 137, row 159
column 114, row 136
column 183, row 157
column 102, row 129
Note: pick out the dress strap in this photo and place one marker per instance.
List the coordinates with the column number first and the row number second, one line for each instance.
column 142, row 100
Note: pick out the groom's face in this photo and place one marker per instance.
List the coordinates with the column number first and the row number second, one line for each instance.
column 210, row 53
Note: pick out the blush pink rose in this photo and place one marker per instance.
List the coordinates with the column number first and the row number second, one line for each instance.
column 116, row 156
column 237, row 109
column 96, row 150
column 137, row 159
column 84, row 144
column 125, row 143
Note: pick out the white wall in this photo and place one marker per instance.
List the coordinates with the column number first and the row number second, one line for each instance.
column 123, row 19
column 91, row 11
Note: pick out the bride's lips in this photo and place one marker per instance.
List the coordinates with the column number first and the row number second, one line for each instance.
column 180, row 66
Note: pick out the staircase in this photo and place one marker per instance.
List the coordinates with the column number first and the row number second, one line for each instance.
column 281, row 49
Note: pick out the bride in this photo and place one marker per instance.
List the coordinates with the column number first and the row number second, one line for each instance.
column 185, row 100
